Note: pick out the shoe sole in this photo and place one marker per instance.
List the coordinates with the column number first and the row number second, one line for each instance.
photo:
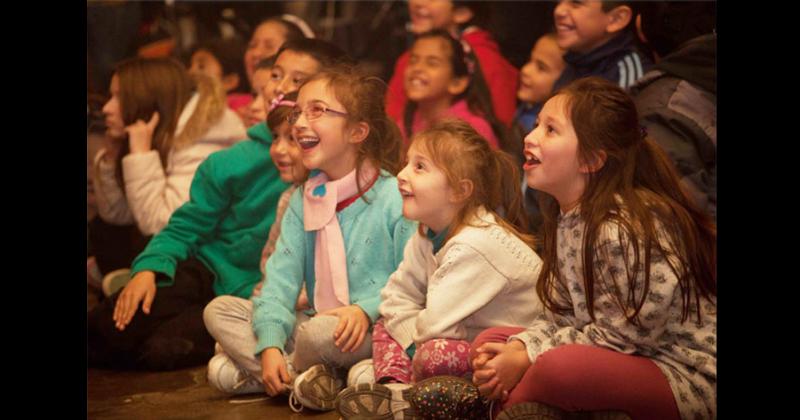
column 374, row 402
column 447, row 397
column 319, row 387
column 532, row 411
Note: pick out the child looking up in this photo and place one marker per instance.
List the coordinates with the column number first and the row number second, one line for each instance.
column 341, row 236
column 629, row 276
column 444, row 80
column 537, row 78
column 466, row 269
column 211, row 247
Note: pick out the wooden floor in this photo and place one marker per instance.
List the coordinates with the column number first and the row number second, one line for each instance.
column 182, row 394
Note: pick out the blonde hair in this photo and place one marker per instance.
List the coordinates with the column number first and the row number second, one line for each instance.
column 463, row 154
column 147, row 85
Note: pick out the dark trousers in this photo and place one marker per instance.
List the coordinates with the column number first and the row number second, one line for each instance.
column 114, row 246
column 172, row 336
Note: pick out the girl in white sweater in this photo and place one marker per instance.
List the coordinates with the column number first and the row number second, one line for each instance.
column 467, row 269
column 161, row 124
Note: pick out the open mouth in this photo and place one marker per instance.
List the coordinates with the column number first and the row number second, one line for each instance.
column 406, row 194
column 530, row 161
column 416, row 82
column 282, row 166
column 564, row 28
column 307, row 142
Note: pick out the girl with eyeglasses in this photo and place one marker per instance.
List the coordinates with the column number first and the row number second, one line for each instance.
column 210, row 247
column 342, row 235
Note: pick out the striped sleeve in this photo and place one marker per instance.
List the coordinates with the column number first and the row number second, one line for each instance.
column 630, row 70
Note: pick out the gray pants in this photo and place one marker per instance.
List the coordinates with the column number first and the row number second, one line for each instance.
column 229, row 320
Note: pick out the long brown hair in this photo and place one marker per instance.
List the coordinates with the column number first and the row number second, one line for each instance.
column 363, row 99
column 463, row 154
column 147, row 85
column 637, row 189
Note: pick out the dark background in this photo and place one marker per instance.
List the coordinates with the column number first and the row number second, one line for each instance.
column 371, row 31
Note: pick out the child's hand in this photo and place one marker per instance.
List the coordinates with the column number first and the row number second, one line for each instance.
column 352, row 328
column 302, row 301
column 482, row 375
column 140, row 134
column 273, row 371
column 509, row 363
column 141, row 288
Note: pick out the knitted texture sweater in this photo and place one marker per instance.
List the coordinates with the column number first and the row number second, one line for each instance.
column 374, row 232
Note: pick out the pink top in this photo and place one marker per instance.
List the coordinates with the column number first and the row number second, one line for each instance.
column 501, row 77
column 239, row 100
column 458, row 110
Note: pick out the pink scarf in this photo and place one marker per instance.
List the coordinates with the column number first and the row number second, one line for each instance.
column 320, row 197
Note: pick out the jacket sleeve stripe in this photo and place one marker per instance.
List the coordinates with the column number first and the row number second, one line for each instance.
column 631, row 71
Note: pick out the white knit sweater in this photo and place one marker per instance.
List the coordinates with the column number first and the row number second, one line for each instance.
column 483, row 277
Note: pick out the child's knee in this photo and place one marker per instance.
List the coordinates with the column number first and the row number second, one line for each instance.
column 557, row 369
column 316, row 334
column 212, row 310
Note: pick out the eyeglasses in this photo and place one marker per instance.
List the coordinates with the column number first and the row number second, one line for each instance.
column 312, row 111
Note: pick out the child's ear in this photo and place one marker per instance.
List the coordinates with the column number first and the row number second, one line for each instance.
column 230, row 82
column 462, row 15
column 618, row 18
column 458, row 85
column 595, row 163
column 359, row 132
column 463, row 191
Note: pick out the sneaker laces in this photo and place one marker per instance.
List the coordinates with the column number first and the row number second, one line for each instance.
column 294, row 402
column 246, row 381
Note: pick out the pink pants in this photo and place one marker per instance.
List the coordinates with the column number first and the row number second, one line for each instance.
column 584, row 378
column 435, row 357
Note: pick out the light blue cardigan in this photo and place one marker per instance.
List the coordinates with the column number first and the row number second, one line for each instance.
column 375, row 235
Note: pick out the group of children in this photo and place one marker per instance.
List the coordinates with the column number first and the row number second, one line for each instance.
column 382, row 265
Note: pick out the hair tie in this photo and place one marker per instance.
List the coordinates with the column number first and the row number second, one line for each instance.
column 300, row 23
column 468, row 61
column 278, row 101
column 643, row 131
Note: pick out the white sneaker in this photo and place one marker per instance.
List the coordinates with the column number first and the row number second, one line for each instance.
column 316, row 388
column 116, row 280
column 377, row 401
column 362, row 372
column 224, row 375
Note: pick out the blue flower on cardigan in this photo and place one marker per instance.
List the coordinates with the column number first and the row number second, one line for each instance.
column 319, row 191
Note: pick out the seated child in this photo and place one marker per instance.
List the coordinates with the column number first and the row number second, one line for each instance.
column 467, row 268
column 210, row 247
column 628, row 280
column 341, row 236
